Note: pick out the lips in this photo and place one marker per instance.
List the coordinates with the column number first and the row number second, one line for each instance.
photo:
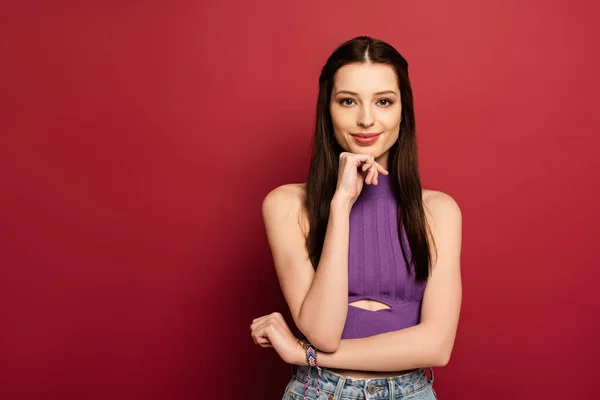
column 365, row 139
column 366, row 135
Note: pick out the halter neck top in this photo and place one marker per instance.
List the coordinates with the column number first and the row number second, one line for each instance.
column 376, row 268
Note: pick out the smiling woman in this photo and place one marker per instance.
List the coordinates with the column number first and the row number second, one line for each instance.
column 368, row 261
column 367, row 118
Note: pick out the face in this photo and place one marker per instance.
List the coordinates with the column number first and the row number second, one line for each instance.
column 366, row 109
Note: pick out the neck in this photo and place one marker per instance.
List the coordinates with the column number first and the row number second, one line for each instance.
column 383, row 160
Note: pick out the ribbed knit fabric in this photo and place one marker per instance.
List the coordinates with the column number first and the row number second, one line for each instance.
column 376, row 268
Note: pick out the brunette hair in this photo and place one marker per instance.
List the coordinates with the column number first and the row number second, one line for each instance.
column 402, row 161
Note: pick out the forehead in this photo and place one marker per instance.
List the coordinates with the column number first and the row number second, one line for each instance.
column 365, row 78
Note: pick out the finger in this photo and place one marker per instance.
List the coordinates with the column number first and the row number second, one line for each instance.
column 256, row 322
column 368, row 177
column 374, row 177
column 277, row 315
column 373, row 174
column 254, row 337
column 263, row 342
column 358, row 159
column 260, row 334
column 269, row 325
column 259, row 325
column 262, row 338
column 381, row 169
column 259, row 320
column 376, row 172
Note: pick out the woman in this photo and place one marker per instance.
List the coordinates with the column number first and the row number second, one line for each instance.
column 368, row 262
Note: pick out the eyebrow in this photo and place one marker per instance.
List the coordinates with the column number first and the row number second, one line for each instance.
column 356, row 94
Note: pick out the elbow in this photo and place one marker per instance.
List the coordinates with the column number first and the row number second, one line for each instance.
column 441, row 361
column 441, row 357
column 327, row 344
column 440, row 347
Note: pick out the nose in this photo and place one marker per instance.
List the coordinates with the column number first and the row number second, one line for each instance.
column 365, row 116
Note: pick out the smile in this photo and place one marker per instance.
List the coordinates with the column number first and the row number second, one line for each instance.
column 365, row 139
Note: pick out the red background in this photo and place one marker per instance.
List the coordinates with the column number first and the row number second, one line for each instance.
column 139, row 138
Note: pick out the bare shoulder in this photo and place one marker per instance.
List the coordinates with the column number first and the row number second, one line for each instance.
column 284, row 202
column 441, row 205
column 444, row 219
column 285, row 197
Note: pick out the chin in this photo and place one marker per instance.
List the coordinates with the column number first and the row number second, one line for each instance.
column 374, row 150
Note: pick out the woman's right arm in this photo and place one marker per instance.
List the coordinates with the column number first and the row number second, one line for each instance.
column 318, row 301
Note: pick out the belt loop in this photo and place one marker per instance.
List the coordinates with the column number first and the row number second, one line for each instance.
column 432, row 376
column 392, row 387
column 337, row 395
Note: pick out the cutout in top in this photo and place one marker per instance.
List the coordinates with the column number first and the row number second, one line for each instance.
column 371, row 305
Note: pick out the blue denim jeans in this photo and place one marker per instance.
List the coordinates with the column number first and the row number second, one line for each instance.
column 411, row 386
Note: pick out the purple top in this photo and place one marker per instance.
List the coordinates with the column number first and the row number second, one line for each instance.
column 376, row 268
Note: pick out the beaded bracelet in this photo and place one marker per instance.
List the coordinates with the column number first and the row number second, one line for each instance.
column 311, row 360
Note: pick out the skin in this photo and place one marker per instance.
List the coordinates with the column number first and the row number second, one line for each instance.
column 357, row 108
column 429, row 344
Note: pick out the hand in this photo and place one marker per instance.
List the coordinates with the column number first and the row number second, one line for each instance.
column 272, row 331
column 352, row 174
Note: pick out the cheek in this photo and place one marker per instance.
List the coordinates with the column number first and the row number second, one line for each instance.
column 391, row 122
column 342, row 124
column 391, row 126
column 341, row 119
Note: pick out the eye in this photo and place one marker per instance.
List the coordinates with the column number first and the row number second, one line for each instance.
column 346, row 102
column 388, row 102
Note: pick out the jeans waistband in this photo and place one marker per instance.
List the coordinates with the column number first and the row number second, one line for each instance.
column 339, row 385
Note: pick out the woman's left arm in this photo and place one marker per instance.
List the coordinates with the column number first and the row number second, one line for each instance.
column 430, row 343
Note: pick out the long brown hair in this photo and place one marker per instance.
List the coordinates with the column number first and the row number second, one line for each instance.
column 403, row 164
